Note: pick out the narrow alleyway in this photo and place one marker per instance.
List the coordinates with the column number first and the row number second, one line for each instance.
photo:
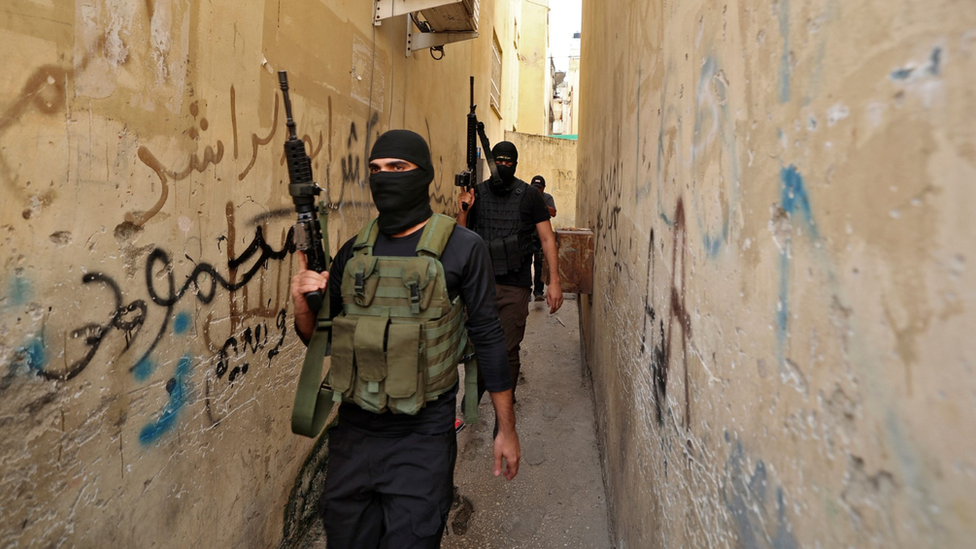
column 558, row 499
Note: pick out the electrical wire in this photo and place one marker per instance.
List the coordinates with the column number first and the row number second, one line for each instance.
column 424, row 26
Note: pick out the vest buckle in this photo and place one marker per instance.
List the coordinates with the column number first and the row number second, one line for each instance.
column 360, row 285
column 414, row 297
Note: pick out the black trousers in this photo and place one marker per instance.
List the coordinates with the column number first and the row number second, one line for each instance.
column 387, row 492
column 513, row 310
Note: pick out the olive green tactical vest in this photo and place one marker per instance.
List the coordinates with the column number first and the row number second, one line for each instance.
column 397, row 343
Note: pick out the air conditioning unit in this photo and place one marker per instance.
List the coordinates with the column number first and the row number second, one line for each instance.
column 461, row 16
column 432, row 23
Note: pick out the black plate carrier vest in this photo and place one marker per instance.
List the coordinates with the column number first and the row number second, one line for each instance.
column 498, row 223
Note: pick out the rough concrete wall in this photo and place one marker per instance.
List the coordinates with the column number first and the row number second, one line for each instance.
column 781, row 329
column 147, row 357
column 554, row 159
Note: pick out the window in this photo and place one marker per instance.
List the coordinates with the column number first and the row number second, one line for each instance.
column 496, row 75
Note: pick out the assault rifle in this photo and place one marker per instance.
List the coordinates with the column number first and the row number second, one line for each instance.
column 313, row 399
column 467, row 178
column 303, row 190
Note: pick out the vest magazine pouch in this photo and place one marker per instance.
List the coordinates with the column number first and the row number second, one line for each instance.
column 418, row 272
column 513, row 252
column 343, row 355
column 363, row 284
column 403, row 360
column 499, row 259
column 370, row 348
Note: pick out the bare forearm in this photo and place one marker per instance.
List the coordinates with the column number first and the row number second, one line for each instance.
column 504, row 410
column 305, row 324
column 552, row 258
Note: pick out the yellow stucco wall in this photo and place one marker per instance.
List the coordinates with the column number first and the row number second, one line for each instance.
column 555, row 160
column 507, row 24
column 781, row 330
column 147, row 356
column 533, row 104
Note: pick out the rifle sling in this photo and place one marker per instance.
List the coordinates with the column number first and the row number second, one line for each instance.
column 469, row 405
column 488, row 156
column 313, row 403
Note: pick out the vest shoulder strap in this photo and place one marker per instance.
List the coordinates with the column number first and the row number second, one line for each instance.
column 366, row 239
column 433, row 240
column 520, row 187
column 435, row 236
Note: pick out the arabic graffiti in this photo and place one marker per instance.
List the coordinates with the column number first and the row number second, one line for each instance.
column 662, row 352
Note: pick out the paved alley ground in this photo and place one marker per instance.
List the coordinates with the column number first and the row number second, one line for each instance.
column 558, row 498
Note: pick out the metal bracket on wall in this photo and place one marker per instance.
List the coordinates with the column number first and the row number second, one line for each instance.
column 385, row 9
column 417, row 40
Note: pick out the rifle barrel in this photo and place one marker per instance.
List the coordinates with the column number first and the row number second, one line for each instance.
column 283, row 82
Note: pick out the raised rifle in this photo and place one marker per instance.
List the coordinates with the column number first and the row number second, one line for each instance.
column 303, row 190
column 475, row 129
column 313, row 400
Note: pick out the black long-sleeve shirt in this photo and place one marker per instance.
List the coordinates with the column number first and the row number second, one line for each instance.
column 467, row 267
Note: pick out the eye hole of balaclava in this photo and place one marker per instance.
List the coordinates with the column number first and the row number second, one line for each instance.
column 505, row 151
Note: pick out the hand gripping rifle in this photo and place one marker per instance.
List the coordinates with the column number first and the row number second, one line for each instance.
column 312, row 401
column 475, row 129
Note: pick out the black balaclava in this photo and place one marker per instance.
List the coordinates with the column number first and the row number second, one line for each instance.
column 402, row 198
column 505, row 150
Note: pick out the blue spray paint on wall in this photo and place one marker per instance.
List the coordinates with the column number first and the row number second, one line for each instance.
column 178, row 389
column 712, row 134
column 144, row 368
column 785, row 71
column 794, row 196
column 796, row 203
column 931, row 68
column 182, row 323
column 902, row 74
column 744, row 494
column 32, row 355
column 19, row 291
column 714, row 244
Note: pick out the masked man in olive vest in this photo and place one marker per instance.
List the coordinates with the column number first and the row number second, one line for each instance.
column 398, row 294
column 507, row 213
